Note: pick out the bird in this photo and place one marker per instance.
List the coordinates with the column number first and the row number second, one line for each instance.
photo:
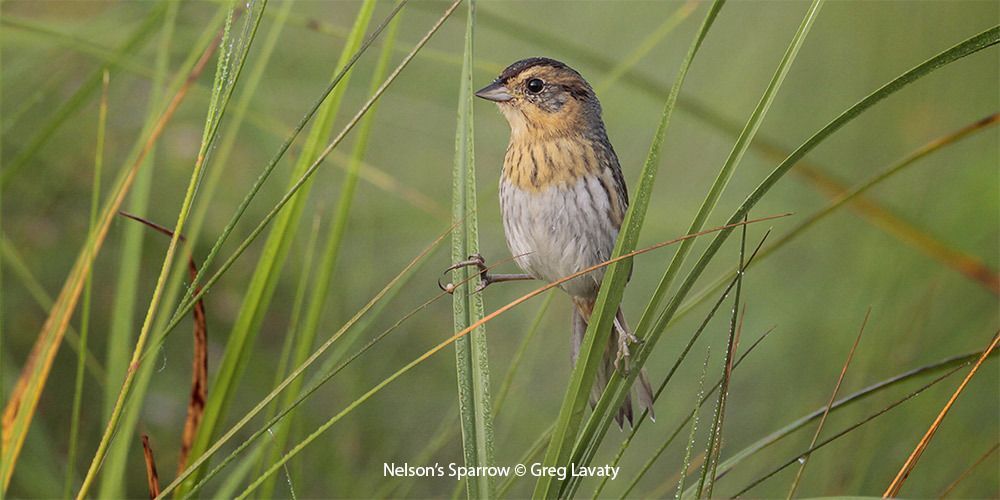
column 562, row 199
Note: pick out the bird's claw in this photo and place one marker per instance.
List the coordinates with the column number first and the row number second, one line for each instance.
column 448, row 288
column 473, row 260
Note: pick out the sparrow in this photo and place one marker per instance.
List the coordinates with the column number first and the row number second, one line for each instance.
column 562, row 199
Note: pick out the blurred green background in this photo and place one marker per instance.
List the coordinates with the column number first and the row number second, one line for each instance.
column 815, row 291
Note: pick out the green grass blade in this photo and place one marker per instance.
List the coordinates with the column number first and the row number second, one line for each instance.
column 95, row 196
column 192, row 296
column 972, row 45
column 292, row 333
column 471, row 357
column 686, row 463
column 268, row 270
column 612, row 288
column 715, row 436
column 229, row 67
column 317, row 304
column 121, row 333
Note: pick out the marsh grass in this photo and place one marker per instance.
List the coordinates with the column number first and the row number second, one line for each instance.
column 319, row 273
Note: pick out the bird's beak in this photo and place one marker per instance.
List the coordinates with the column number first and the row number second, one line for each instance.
column 495, row 92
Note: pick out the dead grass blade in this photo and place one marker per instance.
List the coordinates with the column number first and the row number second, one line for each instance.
column 961, row 477
column 829, row 404
column 24, row 397
column 151, row 477
column 911, row 462
column 199, row 363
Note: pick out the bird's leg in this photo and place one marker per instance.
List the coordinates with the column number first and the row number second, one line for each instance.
column 485, row 278
column 625, row 337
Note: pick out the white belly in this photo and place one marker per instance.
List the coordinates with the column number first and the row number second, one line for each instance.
column 557, row 232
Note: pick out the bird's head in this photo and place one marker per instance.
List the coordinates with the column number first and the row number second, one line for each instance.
column 544, row 97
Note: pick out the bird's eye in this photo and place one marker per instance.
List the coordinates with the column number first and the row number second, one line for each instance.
column 535, row 85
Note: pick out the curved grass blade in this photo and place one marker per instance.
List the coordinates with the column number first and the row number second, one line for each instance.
column 594, row 431
column 612, row 287
column 617, row 386
column 269, row 168
column 735, row 156
column 225, row 78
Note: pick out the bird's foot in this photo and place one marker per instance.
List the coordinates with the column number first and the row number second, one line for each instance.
column 485, row 277
column 474, row 260
column 623, row 356
column 625, row 338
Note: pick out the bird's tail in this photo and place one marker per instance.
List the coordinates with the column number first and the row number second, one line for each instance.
column 581, row 317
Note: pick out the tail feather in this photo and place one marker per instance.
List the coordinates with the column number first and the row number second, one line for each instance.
column 581, row 317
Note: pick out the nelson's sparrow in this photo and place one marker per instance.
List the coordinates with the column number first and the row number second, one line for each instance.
column 562, row 197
